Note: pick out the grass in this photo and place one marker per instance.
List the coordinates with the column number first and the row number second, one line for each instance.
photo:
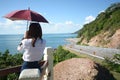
column 100, row 61
column 116, row 75
column 97, row 60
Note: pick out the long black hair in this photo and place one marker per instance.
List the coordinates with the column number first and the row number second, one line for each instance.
column 34, row 32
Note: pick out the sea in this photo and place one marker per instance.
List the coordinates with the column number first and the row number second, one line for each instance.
column 11, row 42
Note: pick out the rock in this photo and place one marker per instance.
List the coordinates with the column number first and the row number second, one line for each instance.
column 80, row 69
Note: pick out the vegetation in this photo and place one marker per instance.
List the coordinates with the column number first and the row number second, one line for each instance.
column 8, row 60
column 60, row 55
column 105, row 21
column 113, row 64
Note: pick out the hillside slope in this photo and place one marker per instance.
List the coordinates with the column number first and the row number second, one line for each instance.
column 104, row 31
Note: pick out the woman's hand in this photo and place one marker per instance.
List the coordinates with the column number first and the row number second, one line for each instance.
column 26, row 35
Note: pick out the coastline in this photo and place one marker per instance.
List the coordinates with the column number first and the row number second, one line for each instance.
column 73, row 40
column 99, row 52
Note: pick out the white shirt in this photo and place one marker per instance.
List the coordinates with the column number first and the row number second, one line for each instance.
column 32, row 53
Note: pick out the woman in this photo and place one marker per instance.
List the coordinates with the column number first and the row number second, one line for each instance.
column 33, row 46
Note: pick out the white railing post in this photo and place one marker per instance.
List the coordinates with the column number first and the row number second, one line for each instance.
column 48, row 55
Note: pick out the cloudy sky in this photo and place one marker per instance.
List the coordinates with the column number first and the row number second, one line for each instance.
column 64, row 16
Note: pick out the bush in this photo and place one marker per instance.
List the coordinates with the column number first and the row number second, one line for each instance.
column 60, row 55
column 8, row 60
column 113, row 64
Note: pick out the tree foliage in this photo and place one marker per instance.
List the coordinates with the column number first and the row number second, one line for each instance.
column 60, row 55
column 105, row 21
column 113, row 64
column 8, row 60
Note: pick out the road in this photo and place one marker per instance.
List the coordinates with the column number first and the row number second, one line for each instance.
column 94, row 51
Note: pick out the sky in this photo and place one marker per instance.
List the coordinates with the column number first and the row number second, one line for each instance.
column 64, row 16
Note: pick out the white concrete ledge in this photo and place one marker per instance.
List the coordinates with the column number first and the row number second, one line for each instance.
column 30, row 74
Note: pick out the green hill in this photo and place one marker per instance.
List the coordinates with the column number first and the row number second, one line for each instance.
column 106, row 22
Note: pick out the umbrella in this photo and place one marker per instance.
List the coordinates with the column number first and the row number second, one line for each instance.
column 25, row 15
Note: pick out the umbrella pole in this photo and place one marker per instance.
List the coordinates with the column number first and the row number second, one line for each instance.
column 27, row 25
column 27, row 20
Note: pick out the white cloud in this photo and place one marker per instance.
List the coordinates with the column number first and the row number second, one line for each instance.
column 69, row 23
column 66, row 27
column 12, row 27
column 19, row 27
column 101, row 11
column 89, row 19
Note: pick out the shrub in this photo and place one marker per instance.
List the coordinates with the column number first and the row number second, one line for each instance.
column 8, row 60
column 60, row 55
column 113, row 64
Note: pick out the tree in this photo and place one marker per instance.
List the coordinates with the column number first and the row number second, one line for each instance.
column 8, row 60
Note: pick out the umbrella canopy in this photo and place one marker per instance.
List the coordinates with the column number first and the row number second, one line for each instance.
column 25, row 15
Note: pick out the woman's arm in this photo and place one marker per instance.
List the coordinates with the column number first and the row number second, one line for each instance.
column 26, row 35
column 20, row 47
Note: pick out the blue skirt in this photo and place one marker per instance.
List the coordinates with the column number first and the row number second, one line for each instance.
column 30, row 65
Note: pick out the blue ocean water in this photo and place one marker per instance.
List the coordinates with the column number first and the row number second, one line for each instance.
column 11, row 42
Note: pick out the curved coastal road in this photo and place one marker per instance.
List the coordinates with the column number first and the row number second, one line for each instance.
column 93, row 51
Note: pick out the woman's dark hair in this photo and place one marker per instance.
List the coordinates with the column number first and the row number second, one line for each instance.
column 34, row 32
